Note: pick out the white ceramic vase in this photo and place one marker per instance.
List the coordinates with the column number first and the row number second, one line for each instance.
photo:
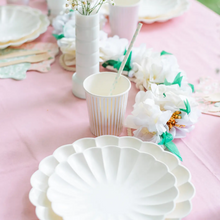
column 87, row 51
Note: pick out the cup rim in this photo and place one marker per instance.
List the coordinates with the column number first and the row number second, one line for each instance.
column 126, row 6
column 107, row 96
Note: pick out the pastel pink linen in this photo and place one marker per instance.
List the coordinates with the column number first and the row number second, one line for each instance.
column 40, row 113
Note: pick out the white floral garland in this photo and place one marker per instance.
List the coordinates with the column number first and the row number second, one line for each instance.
column 164, row 110
column 160, row 115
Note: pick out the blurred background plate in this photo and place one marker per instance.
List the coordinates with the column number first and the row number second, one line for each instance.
column 156, row 8
column 182, row 7
column 44, row 23
column 17, row 22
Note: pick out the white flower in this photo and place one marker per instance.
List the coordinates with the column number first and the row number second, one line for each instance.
column 147, row 114
column 155, row 69
column 155, row 113
column 187, row 123
column 136, row 57
column 59, row 22
column 103, row 36
column 161, row 89
column 138, row 53
column 187, row 120
column 67, row 46
column 69, row 29
column 112, row 48
column 144, row 134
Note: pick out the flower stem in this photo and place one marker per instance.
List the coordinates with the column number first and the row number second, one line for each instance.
column 100, row 5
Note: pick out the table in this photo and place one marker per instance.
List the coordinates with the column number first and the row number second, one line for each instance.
column 40, row 114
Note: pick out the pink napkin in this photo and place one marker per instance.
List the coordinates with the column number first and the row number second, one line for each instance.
column 207, row 89
column 52, row 49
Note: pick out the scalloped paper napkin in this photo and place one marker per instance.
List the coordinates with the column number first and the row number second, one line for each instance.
column 207, row 94
column 18, row 71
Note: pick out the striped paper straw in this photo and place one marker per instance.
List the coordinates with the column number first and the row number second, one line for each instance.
column 125, row 58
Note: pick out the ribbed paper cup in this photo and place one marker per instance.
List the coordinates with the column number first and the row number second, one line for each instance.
column 106, row 113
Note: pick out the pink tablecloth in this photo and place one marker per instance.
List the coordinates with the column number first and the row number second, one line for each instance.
column 40, row 114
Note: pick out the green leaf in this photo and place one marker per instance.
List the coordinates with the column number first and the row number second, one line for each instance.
column 109, row 63
column 192, row 87
column 177, row 80
column 166, row 137
column 49, row 13
column 117, row 64
column 167, row 142
column 58, row 37
column 165, row 53
column 173, row 148
column 187, row 105
column 164, row 95
column 127, row 66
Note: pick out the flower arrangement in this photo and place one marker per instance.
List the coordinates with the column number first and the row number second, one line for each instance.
column 161, row 117
column 164, row 110
column 87, row 7
column 148, row 67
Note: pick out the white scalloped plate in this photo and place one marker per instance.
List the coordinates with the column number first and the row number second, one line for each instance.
column 39, row 179
column 182, row 6
column 156, row 8
column 112, row 183
column 44, row 23
column 16, row 23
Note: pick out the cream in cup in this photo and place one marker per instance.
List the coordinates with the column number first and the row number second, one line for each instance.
column 106, row 112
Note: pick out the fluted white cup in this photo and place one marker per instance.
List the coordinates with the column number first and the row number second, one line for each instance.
column 123, row 17
column 106, row 112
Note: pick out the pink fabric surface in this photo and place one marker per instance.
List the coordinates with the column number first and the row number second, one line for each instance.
column 40, row 114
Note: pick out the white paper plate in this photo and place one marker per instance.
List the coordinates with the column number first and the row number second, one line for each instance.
column 182, row 6
column 112, row 183
column 44, row 23
column 39, row 179
column 156, row 8
column 16, row 22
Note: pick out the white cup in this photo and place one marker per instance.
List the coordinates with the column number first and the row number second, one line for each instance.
column 106, row 113
column 56, row 6
column 123, row 17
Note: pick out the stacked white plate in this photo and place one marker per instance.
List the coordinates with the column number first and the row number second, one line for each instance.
column 111, row 178
column 158, row 10
column 20, row 24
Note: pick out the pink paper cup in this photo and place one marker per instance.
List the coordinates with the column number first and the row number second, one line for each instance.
column 106, row 113
column 123, row 16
